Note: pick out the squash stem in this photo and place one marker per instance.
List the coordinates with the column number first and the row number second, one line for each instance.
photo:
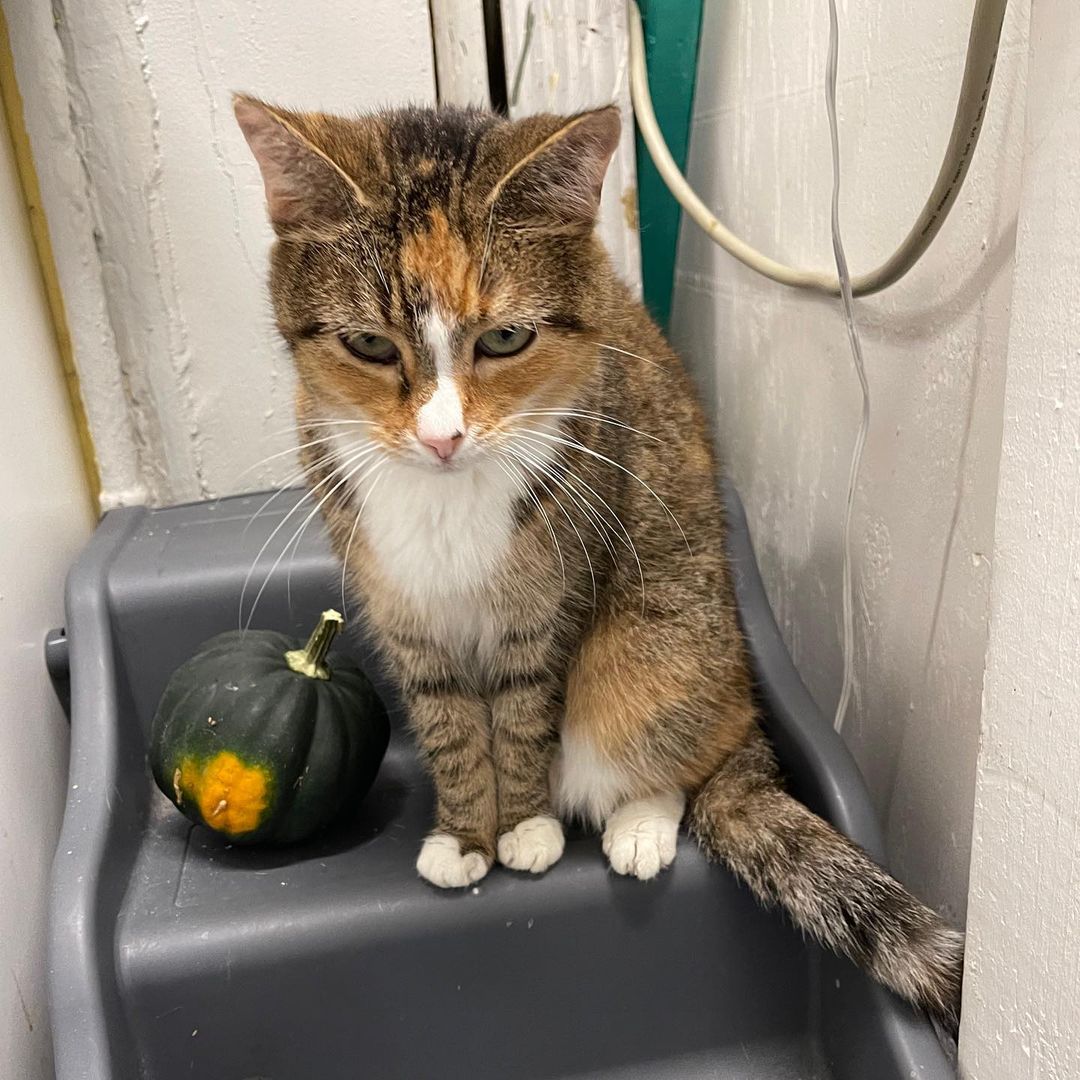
column 311, row 659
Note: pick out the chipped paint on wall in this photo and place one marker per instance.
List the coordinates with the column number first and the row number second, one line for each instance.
column 157, row 218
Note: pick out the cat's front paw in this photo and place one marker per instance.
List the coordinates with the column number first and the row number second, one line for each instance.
column 442, row 863
column 534, row 844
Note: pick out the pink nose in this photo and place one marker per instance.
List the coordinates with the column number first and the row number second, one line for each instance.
column 444, row 446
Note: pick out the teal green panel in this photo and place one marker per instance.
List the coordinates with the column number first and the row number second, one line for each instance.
column 672, row 35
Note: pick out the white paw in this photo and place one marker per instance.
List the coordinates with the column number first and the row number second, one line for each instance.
column 640, row 837
column 533, row 844
column 442, row 863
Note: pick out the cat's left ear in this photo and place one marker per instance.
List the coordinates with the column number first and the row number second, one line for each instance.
column 558, row 166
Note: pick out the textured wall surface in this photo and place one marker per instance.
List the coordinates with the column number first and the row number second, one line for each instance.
column 157, row 217
column 46, row 518
column 567, row 55
column 778, row 375
column 1022, row 997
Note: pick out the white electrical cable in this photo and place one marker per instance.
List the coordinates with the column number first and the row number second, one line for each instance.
column 982, row 51
column 983, row 42
column 844, row 278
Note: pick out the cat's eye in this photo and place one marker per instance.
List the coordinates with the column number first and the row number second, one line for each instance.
column 374, row 348
column 504, row 340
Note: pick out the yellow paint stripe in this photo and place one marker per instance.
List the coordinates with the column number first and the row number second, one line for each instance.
column 39, row 229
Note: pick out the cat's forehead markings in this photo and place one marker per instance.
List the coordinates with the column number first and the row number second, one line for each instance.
column 439, row 261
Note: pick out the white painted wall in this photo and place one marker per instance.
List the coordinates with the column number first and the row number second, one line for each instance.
column 460, row 47
column 1022, row 1007
column 157, row 217
column 777, row 372
column 46, row 518
column 566, row 55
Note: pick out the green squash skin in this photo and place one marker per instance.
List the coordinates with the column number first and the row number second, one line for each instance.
column 321, row 740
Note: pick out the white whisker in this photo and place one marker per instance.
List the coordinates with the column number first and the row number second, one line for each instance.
column 600, row 527
column 295, row 547
column 579, row 414
column 623, row 535
column 299, row 535
column 288, row 483
column 281, row 524
column 342, row 250
column 328, row 421
column 626, row 352
column 487, row 244
column 379, row 474
column 359, row 273
column 575, row 445
column 369, row 248
column 285, row 453
column 318, row 506
column 540, row 480
column 511, row 471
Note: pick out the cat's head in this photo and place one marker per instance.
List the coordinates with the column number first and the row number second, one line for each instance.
column 436, row 271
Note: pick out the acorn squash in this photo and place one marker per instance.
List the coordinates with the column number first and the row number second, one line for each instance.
column 259, row 738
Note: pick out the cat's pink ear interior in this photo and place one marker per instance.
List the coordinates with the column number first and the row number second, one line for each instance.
column 562, row 175
column 304, row 189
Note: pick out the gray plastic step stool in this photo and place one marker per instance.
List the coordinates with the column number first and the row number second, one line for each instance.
column 174, row 956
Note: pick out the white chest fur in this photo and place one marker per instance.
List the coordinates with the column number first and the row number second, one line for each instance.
column 440, row 538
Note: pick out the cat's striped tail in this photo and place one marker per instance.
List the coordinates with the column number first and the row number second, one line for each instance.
column 829, row 886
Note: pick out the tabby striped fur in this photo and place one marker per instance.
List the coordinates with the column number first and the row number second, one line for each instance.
column 554, row 598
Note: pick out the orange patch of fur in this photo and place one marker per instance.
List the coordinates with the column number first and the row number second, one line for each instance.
column 365, row 389
column 621, row 685
column 547, row 376
column 617, row 685
column 439, row 258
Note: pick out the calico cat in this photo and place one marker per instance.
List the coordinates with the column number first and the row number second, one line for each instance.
column 516, row 473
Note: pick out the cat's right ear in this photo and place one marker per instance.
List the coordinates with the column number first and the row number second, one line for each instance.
column 307, row 195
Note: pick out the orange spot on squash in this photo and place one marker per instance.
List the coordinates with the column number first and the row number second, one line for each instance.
column 230, row 793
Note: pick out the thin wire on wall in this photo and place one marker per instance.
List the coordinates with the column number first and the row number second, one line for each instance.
column 844, row 277
column 983, row 43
